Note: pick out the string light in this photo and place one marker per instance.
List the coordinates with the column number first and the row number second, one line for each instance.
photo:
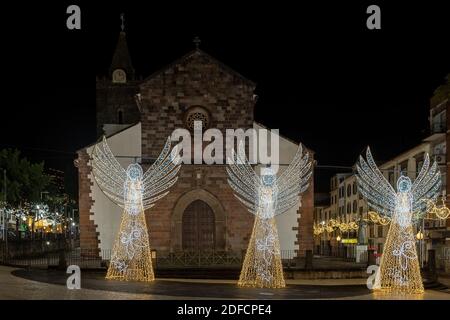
column 332, row 225
column 399, row 267
column 377, row 219
column 347, row 227
column 135, row 192
column 265, row 197
column 318, row 229
column 435, row 212
column 45, row 219
column 262, row 265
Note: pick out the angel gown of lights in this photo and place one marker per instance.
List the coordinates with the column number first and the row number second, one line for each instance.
column 265, row 197
column 399, row 268
column 135, row 192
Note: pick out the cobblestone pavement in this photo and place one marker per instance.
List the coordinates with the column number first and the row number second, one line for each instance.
column 12, row 287
column 50, row 284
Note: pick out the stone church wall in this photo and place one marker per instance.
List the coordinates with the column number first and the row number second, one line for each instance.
column 196, row 80
column 167, row 98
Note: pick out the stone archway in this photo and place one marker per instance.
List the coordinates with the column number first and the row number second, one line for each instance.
column 198, row 227
column 177, row 218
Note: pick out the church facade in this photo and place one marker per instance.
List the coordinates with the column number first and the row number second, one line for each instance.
column 200, row 213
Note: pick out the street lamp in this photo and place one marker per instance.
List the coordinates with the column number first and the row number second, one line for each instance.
column 338, row 239
column 322, row 239
column 419, row 237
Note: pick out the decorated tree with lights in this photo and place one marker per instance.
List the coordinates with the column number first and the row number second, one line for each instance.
column 134, row 191
column 266, row 196
column 399, row 268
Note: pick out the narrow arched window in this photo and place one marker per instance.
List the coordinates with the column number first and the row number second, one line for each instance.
column 120, row 117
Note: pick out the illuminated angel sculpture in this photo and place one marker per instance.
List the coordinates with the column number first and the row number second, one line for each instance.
column 266, row 196
column 399, row 268
column 135, row 192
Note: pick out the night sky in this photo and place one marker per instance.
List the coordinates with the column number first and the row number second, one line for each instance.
column 322, row 77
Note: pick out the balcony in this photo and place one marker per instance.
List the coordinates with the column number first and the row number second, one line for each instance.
column 438, row 127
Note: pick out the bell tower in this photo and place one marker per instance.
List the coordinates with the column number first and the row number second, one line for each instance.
column 116, row 107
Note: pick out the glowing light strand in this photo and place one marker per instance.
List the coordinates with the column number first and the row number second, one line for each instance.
column 437, row 212
column 135, row 192
column 333, row 224
column 266, row 197
column 399, row 268
column 375, row 217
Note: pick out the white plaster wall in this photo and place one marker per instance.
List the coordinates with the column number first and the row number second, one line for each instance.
column 106, row 214
column 285, row 221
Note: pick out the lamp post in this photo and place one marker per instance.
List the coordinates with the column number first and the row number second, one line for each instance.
column 72, row 225
column 424, row 243
column 419, row 236
column 322, row 239
column 338, row 239
column 348, row 245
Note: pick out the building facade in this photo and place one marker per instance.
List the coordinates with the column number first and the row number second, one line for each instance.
column 347, row 205
column 437, row 233
column 201, row 212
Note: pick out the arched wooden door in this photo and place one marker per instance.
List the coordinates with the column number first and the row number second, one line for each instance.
column 198, row 232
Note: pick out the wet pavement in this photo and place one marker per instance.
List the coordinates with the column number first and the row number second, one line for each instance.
column 51, row 284
column 16, row 288
column 195, row 289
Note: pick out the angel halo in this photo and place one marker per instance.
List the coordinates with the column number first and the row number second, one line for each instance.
column 266, row 196
column 134, row 191
column 399, row 267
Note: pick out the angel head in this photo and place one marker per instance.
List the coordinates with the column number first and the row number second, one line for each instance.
column 134, row 172
column 404, row 184
column 268, row 176
column 267, row 194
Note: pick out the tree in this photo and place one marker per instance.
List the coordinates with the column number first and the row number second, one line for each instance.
column 24, row 180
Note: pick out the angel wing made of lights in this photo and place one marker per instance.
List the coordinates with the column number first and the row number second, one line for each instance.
column 246, row 183
column 381, row 196
column 155, row 182
column 373, row 186
column 427, row 186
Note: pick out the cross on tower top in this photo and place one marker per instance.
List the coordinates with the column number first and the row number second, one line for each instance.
column 197, row 42
column 122, row 17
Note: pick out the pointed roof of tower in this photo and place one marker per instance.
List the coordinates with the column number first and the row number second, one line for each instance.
column 121, row 58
